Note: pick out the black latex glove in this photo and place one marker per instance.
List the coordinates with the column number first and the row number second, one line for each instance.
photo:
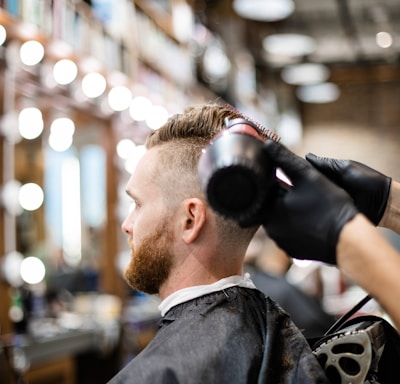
column 306, row 220
column 368, row 187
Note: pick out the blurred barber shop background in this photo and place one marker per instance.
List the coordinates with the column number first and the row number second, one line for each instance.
column 82, row 83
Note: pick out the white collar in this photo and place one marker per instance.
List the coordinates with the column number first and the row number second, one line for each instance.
column 190, row 293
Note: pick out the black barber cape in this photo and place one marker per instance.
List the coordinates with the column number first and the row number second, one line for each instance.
column 237, row 335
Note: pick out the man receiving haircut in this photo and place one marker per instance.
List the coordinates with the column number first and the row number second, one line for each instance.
column 216, row 327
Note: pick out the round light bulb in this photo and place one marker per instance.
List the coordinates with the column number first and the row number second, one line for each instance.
column 30, row 123
column 384, row 39
column 140, row 108
column 31, row 196
column 93, row 85
column 32, row 270
column 31, row 52
column 119, row 98
column 125, row 148
column 65, row 71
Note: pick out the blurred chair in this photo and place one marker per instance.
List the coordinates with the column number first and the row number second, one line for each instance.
column 267, row 265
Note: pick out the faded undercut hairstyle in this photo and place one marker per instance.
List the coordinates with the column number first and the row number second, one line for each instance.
column 181, row 140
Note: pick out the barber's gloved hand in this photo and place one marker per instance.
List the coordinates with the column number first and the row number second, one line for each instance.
column 368, row 187
column 306, row 220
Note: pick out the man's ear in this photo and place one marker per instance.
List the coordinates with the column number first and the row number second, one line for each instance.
column 194, row 218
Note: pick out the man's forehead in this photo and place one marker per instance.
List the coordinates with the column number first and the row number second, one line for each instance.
column 149, row 156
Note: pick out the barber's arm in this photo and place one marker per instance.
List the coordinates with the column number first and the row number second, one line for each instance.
column 375, row 194
column 318, row 220
column 365, row 255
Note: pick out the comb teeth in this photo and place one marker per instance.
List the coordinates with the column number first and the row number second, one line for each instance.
column 271, row 134
column 264, row 131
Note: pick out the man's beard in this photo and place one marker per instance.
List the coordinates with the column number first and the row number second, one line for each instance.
column 151, row 261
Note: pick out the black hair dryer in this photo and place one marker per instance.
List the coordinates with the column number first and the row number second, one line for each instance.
column 235, row 175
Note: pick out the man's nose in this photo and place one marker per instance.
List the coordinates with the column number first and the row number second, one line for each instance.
column 126, row 226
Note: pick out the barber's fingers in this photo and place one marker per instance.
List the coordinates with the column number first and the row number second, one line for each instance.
column 295, row 167
column 332, row 168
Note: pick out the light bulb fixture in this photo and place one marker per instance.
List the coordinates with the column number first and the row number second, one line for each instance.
column 15, row 197
column 305, row 73
column 289, row 44
column 33, row 270
column 94, row 84
column 125, row 147
column 318, row 93
column 31, row 52
column 30, row 123
column 384, row 39
column 264, row 10
column 119, row 98
column 139, row 108
column 65, row 71
column 3, row 35
column 31, row 196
